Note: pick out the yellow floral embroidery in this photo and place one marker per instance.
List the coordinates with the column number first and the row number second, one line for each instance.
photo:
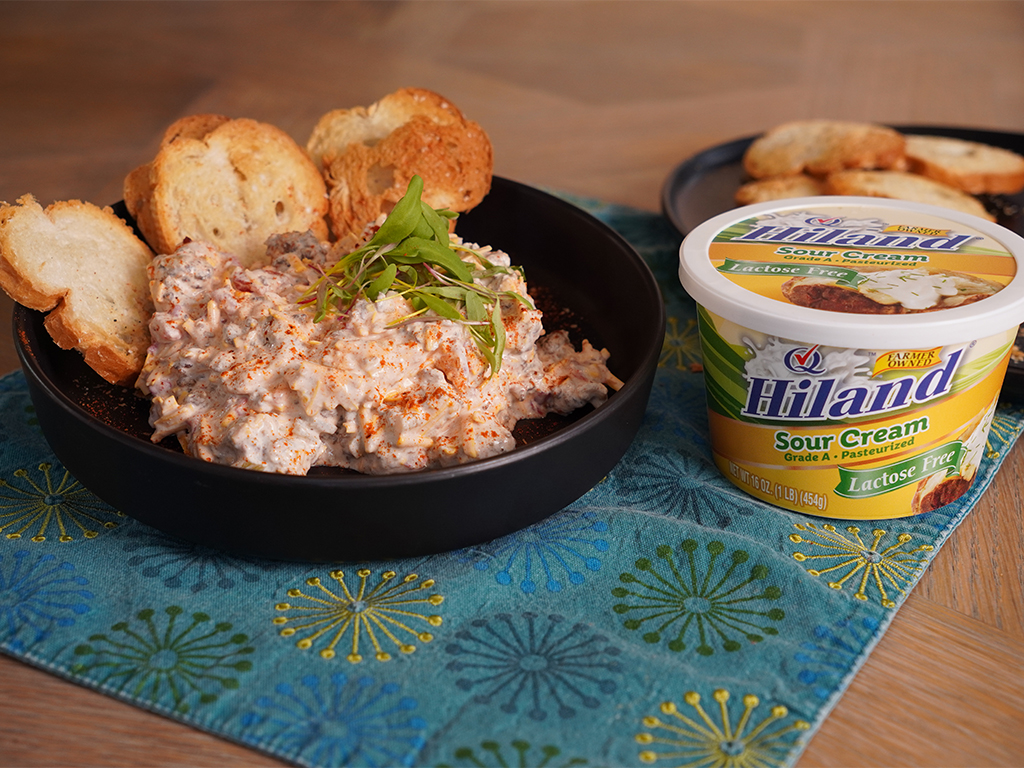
column 1004, row 427
column 700, row 741
column 49, row 503
column 680, row 348
column 891, row 567
column 381, row 613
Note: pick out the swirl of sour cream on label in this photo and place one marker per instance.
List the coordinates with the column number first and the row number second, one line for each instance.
column 914, row 288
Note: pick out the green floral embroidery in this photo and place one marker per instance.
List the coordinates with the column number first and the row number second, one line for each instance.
column 524, row 756
column 706, row 598
column 169, row 663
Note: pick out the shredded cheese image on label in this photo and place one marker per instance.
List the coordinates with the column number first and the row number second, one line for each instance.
column 854, row 350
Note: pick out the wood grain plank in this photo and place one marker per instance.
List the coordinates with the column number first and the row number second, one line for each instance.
column 941, row 689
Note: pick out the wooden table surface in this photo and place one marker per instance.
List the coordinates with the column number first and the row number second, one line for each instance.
column 596, row 98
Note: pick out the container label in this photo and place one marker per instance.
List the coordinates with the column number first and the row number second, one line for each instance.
column 895, row 262
column 849, row 433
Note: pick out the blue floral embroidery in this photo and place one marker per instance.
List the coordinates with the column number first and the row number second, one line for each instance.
column 832, row 653
column 681, row 485
column 677, row 412
column 348, row 720
column 36, row 595
column 181, row 564
column 564, row 543
column 537, row 662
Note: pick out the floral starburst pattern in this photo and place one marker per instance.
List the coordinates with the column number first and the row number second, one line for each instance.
column 173, row 662
column 536, row 662
column 679, row 484
column 179, row 564
column 564, row 546
column 869, row 565
column 681, row 348
column 522, row 754
column 340, row 721
column 701, row 740
column 387, row 612
column 831, row 653
column 1003, row 432
column 712, row 598
column 34, row 504
column 38, row 594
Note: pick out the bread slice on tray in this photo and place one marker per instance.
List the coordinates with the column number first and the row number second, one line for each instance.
column 779, row 188
column 821, row 147
column 229, row 182
column 902, row 185
column 973, row 167
column 87, row 269
column 369, row 154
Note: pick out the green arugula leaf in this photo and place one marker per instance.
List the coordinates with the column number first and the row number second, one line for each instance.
column 412, row 253
column 382, row 283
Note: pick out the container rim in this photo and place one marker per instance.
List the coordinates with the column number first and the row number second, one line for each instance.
column 719, row 295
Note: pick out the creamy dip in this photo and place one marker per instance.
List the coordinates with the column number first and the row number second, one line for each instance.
column 913, row 288
column 239, row 371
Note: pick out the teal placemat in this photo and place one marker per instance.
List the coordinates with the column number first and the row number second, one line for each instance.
column 664, row 618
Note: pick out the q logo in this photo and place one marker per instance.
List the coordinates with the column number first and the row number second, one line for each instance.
column 805, row 360
column 821, row 221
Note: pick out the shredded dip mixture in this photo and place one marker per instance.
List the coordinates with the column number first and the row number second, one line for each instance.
column 246, row 373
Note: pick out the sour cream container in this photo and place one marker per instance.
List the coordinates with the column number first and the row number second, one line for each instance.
column 853, row 349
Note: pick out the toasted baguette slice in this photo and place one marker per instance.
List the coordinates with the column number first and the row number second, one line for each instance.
column 967, row 165
column 192, row 127
column 820, row 147
column 779, row 188
column 369, row 154
column 86, row 267
column 901, row 185
column 339, row 128
column 230, row 183
column 138, row 184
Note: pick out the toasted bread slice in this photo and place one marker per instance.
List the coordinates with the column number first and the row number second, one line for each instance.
column 901, row 185
column 339, row 128
column 369, row 154
column 138, row 184
column 192, row 127
column 230, row 183
column 86, row 267
column 820, row 147
column 967, row 165
column 779, row 188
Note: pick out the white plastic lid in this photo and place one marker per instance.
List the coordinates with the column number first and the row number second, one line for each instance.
column 735, row 264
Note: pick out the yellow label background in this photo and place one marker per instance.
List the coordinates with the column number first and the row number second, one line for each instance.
column 745, row 454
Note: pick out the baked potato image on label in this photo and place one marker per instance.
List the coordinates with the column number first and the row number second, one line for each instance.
column 891, row 291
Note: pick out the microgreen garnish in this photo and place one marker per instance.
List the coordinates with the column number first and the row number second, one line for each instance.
column 412, row 253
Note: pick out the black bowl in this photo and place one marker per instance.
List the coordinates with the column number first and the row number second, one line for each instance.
column 600, row 287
